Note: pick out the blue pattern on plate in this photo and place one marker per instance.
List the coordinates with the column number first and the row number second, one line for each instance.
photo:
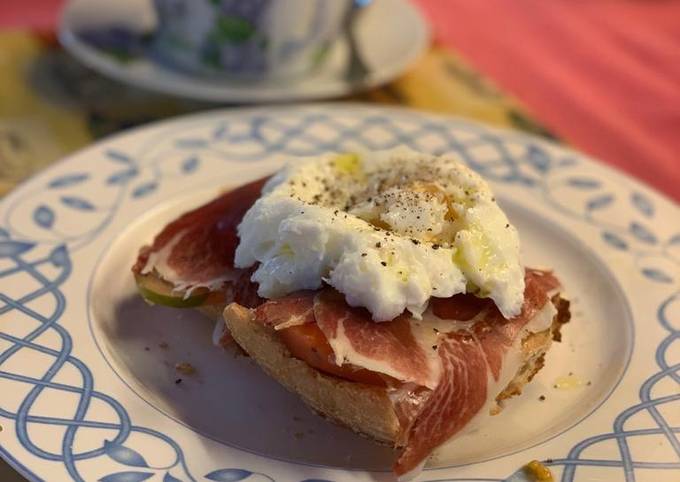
column 44, row 256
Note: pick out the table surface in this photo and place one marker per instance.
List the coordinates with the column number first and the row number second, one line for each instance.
column 622, row 111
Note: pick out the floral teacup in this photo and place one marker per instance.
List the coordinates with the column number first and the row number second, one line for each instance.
column 247, row 38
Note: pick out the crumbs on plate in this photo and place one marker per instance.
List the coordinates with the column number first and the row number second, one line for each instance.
column 185, row 368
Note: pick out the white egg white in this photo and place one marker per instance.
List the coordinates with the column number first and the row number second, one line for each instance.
column 387, row 229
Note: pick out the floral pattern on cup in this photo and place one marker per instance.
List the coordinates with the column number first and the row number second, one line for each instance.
column 246, row 38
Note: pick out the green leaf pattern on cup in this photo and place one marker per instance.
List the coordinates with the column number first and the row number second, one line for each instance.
column 234, row 40
column 233, row 29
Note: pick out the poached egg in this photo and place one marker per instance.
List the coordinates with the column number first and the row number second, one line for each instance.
column 388, row 230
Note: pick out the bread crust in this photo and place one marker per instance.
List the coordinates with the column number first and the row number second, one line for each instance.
column 366, row 409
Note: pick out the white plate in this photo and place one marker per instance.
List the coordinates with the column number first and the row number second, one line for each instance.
column 391, row 36
column 82, row 398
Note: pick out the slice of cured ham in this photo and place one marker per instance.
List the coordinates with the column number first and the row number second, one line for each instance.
column 292, row 310
column 243, row 291
column 197, row 249
column 468, row 358
column 461, row 307
column 460, row 395
column 389, row 348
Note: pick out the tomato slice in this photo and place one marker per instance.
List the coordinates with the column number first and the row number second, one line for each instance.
column 308, row 343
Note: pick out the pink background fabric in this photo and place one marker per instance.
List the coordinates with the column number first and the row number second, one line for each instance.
column 604, row 75
column 33, row 14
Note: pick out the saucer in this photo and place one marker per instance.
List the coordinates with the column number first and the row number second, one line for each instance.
column 391, row 35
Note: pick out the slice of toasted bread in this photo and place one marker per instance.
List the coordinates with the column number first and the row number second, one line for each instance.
column 366, row 409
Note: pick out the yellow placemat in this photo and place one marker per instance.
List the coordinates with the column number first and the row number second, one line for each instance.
column 50, row 105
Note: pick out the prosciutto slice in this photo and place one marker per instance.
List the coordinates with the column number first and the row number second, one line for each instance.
column 468, row 357
column 292, row 310
column 198, row 247
column 389, row 348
